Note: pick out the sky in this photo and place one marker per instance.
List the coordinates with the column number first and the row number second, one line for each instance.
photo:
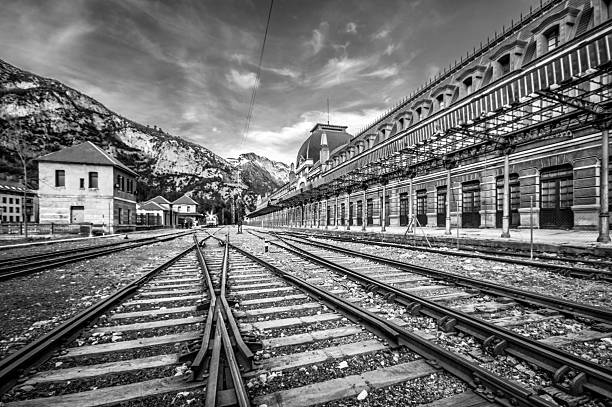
column 189, row 66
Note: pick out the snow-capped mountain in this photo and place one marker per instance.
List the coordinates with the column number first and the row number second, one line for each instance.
column 51, row 115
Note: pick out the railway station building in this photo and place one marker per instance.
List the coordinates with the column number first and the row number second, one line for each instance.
column 513, row 134
column 84, row 184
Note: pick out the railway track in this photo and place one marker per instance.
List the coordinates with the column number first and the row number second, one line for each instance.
column 563, row 376
column 24, row 265
column 579, row 267
column 135, row 346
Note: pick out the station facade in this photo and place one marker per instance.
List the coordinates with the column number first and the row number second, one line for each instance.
column 514, row 134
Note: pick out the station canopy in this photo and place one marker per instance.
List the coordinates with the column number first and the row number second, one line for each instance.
column 554, row 97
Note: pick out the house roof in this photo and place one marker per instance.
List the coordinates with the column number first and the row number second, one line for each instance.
column 185, row 200
column 159, row 200
column 150, row 206
column 13, row 188
column 84, row 153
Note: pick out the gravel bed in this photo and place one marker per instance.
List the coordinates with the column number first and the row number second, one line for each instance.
column 271, row 294
column 179, row 348
column 33, row 305
column 423, row 390
column 283, row 315
column 193, row 398
column 282, row 303
column 528, row 278
column 552, row 327
column 92, row 383
column 52, row 247
column 104, row 321
column 300, row 329
column 154, row 294
column 326, row 343
column 118, row 336
column 596, row 351
column 331, row 369
column 154, row 305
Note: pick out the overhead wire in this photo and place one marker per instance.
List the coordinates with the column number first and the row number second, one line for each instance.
column 258, row 75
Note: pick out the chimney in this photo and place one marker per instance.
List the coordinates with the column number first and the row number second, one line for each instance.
column 324, row 155
column 292, row 173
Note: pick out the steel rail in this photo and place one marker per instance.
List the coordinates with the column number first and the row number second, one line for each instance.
column 564, row 306
column 566, row 270
column 485, row 383
column 18, row 270
column 37, row 351
column 39, row 256
column 559, row 363
column 220, row 315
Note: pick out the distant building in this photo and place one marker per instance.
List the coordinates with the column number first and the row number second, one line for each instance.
column 150, row 214
column 178, row 213
column 11, row 203
column 84, row 184
column 185, row 209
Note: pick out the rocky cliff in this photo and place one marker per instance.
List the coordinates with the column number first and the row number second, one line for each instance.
column 49, row 115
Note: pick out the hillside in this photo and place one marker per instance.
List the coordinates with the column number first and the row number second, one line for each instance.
column 50, row 115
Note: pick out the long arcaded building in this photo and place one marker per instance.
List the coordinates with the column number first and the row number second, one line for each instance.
column 516, row 130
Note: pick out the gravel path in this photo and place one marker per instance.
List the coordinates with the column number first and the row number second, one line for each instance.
column 35, row 304
column 591, row 292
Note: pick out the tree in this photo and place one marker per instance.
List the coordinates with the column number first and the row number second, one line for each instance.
column 15, row 139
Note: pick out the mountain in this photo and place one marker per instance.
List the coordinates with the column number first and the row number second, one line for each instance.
column 262, row 174
column 48, row 115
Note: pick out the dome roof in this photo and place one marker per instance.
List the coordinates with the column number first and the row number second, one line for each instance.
column 336, row 137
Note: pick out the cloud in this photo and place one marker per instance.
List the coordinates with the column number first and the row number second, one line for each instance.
column 384, row 73
column 432, row 70
column 317, row 40
column 243, row 80
column 391, row 49
column 338, row 71
column 383, row 33
column 351, row 28
column 284, row 142
column 288, row 72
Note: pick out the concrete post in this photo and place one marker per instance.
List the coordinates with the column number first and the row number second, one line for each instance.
column 325, row 213
column 336, row 213
column 506, row 202
column 348, row 211
column 383, row 213
column 364, row 210
column 448, row 202
column 410, row 207
column 604, row 199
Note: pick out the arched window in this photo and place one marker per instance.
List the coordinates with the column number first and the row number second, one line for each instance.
column 552, row 38
column 504, row 64
column 467, row 83
column 400, row 124
column 440, row 100
column 419, row 113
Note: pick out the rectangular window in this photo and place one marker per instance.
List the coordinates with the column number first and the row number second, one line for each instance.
column 3, row 199
column 129, row 216
column 10, row 200
column 188, row 208
column 123, row 183
column 118, row 184
column 93, row 180
column 10, row 209
column 60, row 178
column 16, row 209
column 17, row 200
column 10, row 218
column 82, row 183
column 120, row 215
